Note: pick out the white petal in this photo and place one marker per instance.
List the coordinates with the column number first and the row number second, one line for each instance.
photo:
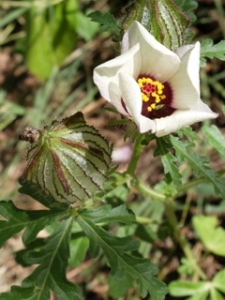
column 146, row 124
column 156, row 59
column 115, row 98
column 181, row 118
column 185, row 83
column 181, row 51
column 107, row 73
column 131, row 96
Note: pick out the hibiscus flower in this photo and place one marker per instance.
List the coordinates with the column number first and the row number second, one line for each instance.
column 156, row 87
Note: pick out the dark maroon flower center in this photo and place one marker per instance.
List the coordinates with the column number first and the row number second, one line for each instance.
column 156, row 97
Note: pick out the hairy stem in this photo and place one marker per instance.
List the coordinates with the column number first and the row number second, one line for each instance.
column 135, row 155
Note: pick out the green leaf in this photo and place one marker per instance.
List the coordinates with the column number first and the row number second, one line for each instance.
column 189, row 133
column 51, row 36
column 199, row 296
column 117, row 289
column 212, row 237
column 79, row 244
column 85, row 27
column 215, row 295
column 209, row 50
column 219, row 280
column 168, row 161
column 121, row 263
column 51, row 272
column 107, row 22
column 98, row 237
column 78, row 250
column 106, row 214
column 186, row 267
column 215, row 138
column 17, row 219
column 198, row 163
column 185, row 288
column 20, row 293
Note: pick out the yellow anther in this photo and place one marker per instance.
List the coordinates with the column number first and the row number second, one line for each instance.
column 152, row 91
column 144, row 97
column 153, row 105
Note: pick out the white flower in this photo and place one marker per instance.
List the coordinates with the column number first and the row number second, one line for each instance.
column 156, row 87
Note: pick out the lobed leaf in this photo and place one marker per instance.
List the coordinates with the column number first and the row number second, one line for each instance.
column 107, row 22
column 50, row 275
column 168, row 161
column 123, row 264
column 215, row 138
column 208, row 49
column 198, row 163
column 118, row 289
column 107, row 214
column 211, row 236
column 17, row 220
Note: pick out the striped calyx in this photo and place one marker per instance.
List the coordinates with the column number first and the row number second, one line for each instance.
column 162, row 18
column 68, row 160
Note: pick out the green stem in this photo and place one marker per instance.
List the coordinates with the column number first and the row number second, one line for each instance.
column 194, row 183
column 145, row 221
column 169, row 210
column 135, row 155
column 147, row 191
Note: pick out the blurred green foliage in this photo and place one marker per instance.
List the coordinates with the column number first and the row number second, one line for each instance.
column 53, row 38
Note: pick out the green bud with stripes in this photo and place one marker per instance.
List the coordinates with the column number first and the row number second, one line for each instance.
column 68, row 160
column 162, row 18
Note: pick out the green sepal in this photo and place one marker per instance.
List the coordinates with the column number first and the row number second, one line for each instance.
column 162, row 18
column 68, row 160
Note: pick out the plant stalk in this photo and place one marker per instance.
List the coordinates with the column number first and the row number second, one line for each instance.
column 135, row 155
column 170, row 213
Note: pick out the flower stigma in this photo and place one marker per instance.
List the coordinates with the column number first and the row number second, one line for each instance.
column 156, row 97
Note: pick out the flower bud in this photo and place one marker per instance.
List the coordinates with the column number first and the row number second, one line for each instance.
column 162, row 18
column 68, row 160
